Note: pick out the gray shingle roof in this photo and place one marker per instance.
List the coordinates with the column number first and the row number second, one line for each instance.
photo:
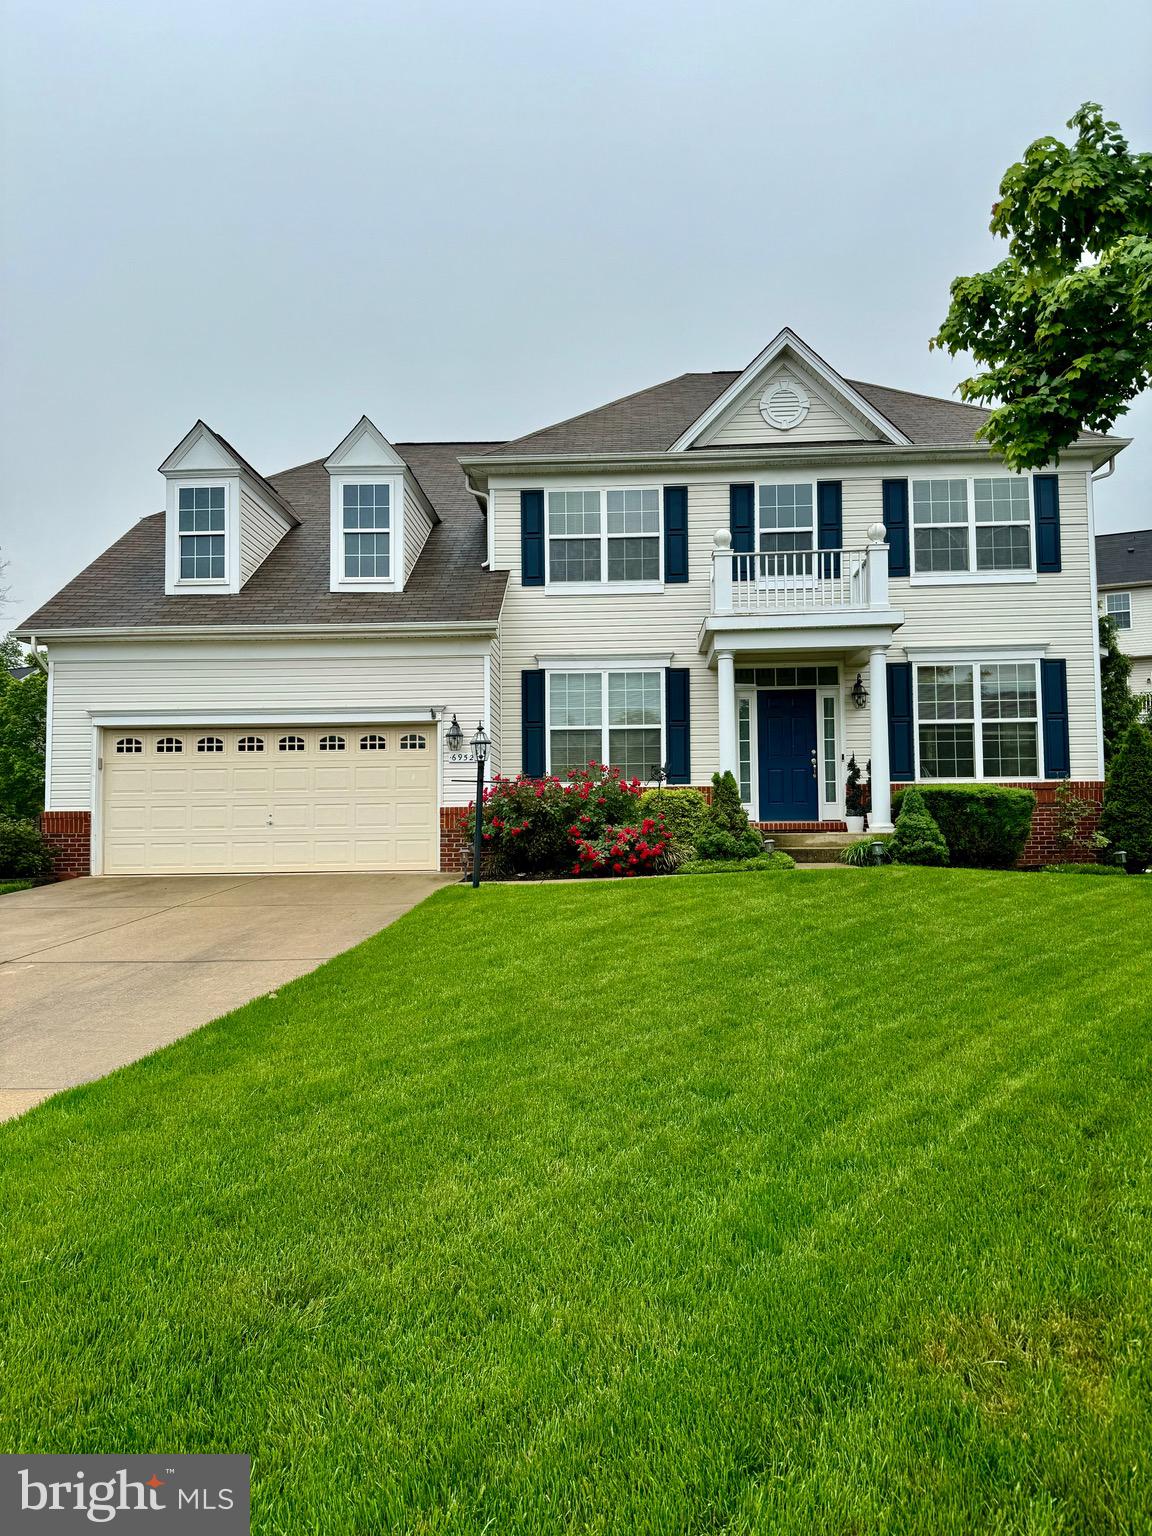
column 651, row 420
column 125, row 585
column 1124, row 559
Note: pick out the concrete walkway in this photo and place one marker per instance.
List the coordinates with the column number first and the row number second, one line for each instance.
column 96, row 973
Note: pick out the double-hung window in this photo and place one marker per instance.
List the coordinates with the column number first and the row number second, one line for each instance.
column 366, row 531
column 978, row 720
column 201, row 529
column 786, row 528
column 605, row 717
column 604, row 536
column 1118, row 606
column 982, row 524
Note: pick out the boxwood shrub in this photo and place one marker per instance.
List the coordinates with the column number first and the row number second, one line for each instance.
column 762, row 862
column 984, row 825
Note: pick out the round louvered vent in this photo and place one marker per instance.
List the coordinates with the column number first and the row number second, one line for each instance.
column 784, row 404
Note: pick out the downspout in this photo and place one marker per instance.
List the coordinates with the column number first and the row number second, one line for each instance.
column 482, row 496
column 1111, row 470
column 37, row 655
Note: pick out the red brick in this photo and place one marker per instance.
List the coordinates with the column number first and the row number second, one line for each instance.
column 70, row 833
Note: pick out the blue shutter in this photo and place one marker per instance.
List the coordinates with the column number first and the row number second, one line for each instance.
column 829, row 526
column 532, row 720
column 1046, row 501
column 901, row 750
column 829, row 515
column 1054, row 704
column 532, row 539
column 896, row 522
column 678, row 724
column 675, row 533
column 742, row 518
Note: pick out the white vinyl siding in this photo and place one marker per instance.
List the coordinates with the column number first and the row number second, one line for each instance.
column 312, row 677
column 417, row 527
column 261, row 529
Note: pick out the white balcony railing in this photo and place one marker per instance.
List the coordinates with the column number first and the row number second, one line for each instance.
column 800, row 581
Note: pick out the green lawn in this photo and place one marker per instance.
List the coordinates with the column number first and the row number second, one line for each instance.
column 804, row 1205
column 8, row 886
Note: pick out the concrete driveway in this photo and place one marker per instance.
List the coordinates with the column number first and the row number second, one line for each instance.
column 96, row 973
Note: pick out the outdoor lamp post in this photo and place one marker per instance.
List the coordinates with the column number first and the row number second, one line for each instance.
column 480, row 745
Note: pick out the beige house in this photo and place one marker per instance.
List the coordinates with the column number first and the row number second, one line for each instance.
column 772, row 571
column 1124, row 579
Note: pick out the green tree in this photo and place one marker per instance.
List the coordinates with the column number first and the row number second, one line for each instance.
column 23, row 714
column 917, row 839
column 1126, row 820
column 1063, row 325
column 1119, row 704
column 11, row 653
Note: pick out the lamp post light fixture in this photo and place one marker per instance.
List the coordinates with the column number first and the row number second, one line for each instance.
column 480, row 745
column 859, row 694
column 455, row 737
column 1120, row 858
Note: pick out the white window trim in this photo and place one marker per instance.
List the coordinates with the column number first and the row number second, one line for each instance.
column 975, row 661
column 338, row 582
column 605, row 728
column 1127, row 596
column 585, row 588
column 230, row 581
column 972, row 576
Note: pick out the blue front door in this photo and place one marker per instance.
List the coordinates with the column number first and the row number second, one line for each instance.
column 786, row 743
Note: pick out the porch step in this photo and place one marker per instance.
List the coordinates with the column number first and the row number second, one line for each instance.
column 813, row 847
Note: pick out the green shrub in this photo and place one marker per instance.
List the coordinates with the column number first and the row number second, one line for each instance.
column 984, row 826
column 762, row 862
column 25, row 853
column 725, row 833
column 857, row 795
column 917, row 838
column 860, row 852
column 713, row 843
column 1127, row 817
column 727, row 808
column 1082, row 869
column 684, row 812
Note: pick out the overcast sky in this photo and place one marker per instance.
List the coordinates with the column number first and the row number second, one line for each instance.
column 471, row 220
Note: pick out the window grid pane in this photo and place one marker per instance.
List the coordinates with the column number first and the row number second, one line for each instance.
column 941, row 549
column 368, row 555
column 744, row 734
column 947, row 752
column 575, row 699
column 635, row 752
column 574, row 559
column 939, row 501
column 945, row 693
column 636, row 559
column 634, row 698
column 367, row 507
column 1010, row 750
column 831, row 777
column 573, row 750
column 1001, row 500
column 202, row 557
column 1003, row 547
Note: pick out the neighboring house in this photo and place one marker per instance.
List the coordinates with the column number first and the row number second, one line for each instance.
column 765, row 571
column 1124, row 580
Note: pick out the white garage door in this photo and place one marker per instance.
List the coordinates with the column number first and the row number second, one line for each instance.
column 284, row 798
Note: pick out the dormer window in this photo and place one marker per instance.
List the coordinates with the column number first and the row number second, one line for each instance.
column 366, row 523
column 202, row 512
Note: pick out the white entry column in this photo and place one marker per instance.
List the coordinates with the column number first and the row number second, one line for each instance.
column 880, row 818
column 726, row 688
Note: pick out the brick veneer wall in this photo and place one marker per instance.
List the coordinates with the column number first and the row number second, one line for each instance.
column 454, row 850
column 70, row 833
column 1044, row 845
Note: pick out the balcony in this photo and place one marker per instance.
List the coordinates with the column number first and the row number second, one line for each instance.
column 823, row 599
